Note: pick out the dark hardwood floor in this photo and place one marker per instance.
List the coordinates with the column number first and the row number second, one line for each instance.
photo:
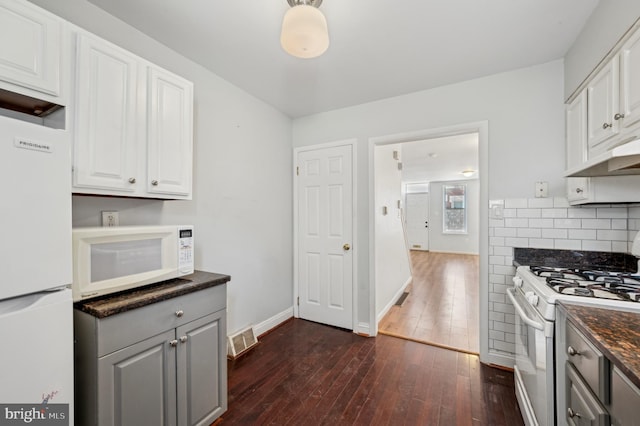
column 303, row 373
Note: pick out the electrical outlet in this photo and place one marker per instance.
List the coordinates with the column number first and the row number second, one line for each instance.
column 110, row 219
column 542, row 189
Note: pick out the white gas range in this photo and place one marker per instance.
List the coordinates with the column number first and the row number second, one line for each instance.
column 535, row 294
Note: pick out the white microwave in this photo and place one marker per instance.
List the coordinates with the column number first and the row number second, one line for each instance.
column 112, row 259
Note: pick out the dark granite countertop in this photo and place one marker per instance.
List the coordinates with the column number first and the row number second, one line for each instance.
column 102, row 307
column 616, row 333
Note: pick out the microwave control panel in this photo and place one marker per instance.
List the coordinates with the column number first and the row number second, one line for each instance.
column 185, row 251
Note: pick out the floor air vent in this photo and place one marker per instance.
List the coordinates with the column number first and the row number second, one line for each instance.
column 241, row 342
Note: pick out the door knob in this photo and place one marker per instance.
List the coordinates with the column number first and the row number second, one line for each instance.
column 346, row 247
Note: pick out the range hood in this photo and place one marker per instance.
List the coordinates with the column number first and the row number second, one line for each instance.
column 619, row 161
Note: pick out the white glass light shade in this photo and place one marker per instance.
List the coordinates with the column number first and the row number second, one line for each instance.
column 304, row 32
column 467, row 173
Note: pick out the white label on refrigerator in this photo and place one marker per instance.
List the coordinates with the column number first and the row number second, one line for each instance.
column 33, row 145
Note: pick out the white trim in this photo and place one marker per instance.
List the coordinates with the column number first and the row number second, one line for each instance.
column 273, row 322
column 393, row 300
column 453, row 252
column 499, row 358
column 354, row 224
column 363, row 329
column 482, row 128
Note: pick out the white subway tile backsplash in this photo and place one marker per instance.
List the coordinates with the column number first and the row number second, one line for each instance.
column 590, row 245
column 540, row 203
column 506, row 232
column 548, row 223
column 567, row 223
column 582, row 234
column 554, row 233
column 582, row 213
column 529, row 212
column 541, row 243
column 554, row 213
column 567, row 244
column 541, row 223
column 516, row 223
column 617, row 235
column 516, row 203
column 612, row 212
column 529, row 232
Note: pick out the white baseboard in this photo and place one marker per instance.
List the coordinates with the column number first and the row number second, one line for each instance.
column 454, row 252
column 363, row 329
column 498, row 358
column 274, row 321
column 393, row 300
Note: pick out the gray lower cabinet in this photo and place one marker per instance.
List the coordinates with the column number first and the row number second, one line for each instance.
column 162, row 364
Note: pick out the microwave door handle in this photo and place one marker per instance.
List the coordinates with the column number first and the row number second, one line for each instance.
column 522, row 313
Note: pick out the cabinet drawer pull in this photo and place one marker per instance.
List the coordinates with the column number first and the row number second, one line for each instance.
column 179, row 313
column 173, row 343
column 618, row 116
column 154, row 182
column 579, row 190
column 607, row 125
column 572, row 413
column 571, row 351
column 132, row 180
column 183, row 339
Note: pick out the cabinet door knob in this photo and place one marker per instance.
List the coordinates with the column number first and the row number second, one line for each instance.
column 183, row 339
column 132, row 180
column 579, row 190
column 607, row 125
column 571, row 413
column 179, row 313
column 618, row 116
column 173, row 343
column 571, row 351
column 154, row 182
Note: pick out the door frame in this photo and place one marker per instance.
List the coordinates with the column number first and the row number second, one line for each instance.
column 353, row 143
column 482, row 129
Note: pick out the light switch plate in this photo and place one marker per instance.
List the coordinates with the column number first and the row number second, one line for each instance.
column 496, row 209
column 542, row 189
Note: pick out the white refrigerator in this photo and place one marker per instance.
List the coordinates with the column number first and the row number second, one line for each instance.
column 36, row 328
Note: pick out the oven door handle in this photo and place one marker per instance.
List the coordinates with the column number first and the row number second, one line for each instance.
column 522, row 313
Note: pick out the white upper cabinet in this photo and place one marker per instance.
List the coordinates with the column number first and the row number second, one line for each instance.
column 629, row 112
column 133, row 125
column 602, row 103
column 30, row 47
column 576, row 140
column 107, row 116
column 170, row 119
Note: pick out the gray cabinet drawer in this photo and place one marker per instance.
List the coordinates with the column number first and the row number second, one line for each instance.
column 121, row 330
column 583, row 408
column 589, row 362
column 625, row 400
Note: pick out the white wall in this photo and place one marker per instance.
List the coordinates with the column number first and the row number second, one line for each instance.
column 468, row 243
column 242, row 199
column 609, row 21
column 392, row 268
column 525, row 112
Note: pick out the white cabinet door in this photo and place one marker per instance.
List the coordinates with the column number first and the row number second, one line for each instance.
column 170, row 139
column 577, row 149
column 630, row 83
column 106, row 117
column 30, row 46
column 602, row 104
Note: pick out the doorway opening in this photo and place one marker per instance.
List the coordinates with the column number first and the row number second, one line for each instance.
column 441, row 192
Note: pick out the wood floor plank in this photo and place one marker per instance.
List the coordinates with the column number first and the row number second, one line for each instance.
column 310, row 374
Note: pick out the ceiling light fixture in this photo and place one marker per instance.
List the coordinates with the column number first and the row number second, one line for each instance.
column 304, row 29
column 468, row 172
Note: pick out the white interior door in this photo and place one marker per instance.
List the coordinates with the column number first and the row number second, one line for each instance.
column 324, row 234
column 417, row 218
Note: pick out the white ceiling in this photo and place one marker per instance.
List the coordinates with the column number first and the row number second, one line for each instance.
column 439, row 159
column 379, row 49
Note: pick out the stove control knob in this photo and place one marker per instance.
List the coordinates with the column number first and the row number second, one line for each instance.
column 532, row 298
column 517, row 281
